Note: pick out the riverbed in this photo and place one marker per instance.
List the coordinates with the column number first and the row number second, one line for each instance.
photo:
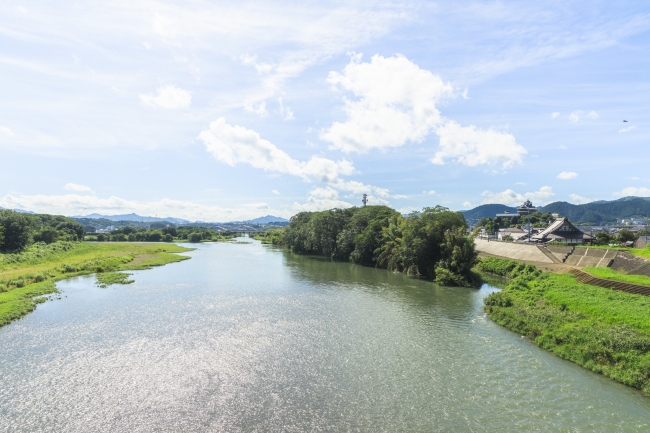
column 252, row 338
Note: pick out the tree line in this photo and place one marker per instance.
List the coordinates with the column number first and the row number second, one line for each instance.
column 433, row 243
column 19, row 230
column 164, row 234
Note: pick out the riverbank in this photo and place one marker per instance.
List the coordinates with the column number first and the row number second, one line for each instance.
column 605, row 331
column 27, row 276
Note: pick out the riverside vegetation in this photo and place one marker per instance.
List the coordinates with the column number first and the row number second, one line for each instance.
column 432, row 243
column 27, row 275
column 605, row 331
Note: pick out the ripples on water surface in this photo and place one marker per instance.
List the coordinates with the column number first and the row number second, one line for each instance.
column 247, row 338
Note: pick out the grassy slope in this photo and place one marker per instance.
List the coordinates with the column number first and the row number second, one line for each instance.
column 32, row 273
column 641, row 252
column 603, row 330
column 611, row 274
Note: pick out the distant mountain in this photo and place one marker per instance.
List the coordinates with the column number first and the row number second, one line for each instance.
column 486, row 210
column 267, row 219
column 600, row 212
column 19, row 210
column 132, row 217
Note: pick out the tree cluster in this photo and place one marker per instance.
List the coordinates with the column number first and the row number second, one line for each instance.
column 165, row 234
column 18, row 230
column 432, row 243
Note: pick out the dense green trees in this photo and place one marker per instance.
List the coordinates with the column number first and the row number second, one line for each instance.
column 16, row 229
column 428, row 243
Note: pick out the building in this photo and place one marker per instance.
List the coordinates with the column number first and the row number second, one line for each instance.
column 514, row 232
column 526, row 209
column 642, row 242
column 561, row 230
column 507, row 214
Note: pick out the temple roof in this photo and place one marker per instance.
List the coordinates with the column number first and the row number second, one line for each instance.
column 553, row 231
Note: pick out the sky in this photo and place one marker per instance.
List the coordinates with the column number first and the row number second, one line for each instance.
column 231, row 110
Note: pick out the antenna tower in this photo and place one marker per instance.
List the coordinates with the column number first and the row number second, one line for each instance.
column 365, row 199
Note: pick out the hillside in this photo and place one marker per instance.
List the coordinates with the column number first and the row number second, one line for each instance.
column 601, row 212
column 486, row 210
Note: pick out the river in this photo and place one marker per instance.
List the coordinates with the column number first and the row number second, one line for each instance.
column 251, row 338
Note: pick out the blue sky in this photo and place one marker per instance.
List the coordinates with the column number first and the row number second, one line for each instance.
column 224, row 111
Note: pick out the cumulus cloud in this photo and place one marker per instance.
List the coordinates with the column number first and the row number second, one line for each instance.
column 396, row 104
column 567, row 175
column 579, row 114
column 235, row 144
column 555, row 115
column 628, row 129
column 578, row 199
column 77, row 187
column 168, row 97
column 430, row 192
column 321, row 199
column 471, row 146
column 510, row 197
column 74, row 204
column 640, row 192
column 275, row 191
column 467, row 204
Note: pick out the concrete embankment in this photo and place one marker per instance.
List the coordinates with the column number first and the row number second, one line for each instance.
column 521, row 252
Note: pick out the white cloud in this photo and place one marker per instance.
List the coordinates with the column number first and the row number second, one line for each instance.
column 396, row 104
column 285, row 112
column 431, row 192
column 74, row 204
column 579, row 114
column 562, row 147
column 471, row 146
column 639, row 192
column 465, row 96
column 407, row 210
column 567, row 175
column 235, row 144
column 321, row 199
column 555, row 115
column 509, row 197
column 628, row 129
column 77, row 187
column 6, row 132
column 578, row 199
column 521, row 183
column 259, row 109
column 169, row 97
column 467, row 204
column 275, row 191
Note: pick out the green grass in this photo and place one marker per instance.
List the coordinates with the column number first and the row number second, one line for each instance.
column 641, row 252
column 611, row 274
column 27, row 275
column 109, row 278
column 602, row 330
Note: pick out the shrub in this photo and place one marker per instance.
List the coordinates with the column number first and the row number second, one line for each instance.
column 195, row 237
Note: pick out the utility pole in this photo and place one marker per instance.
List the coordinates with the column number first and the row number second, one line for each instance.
column 365, row 199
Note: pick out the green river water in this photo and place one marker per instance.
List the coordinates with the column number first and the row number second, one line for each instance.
column 251, row 338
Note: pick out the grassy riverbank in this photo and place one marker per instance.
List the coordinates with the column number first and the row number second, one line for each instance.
column 605, row 331
column 26, row 276
column 611, row 274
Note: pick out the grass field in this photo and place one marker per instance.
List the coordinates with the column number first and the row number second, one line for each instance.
column 26, row 276
column 641, row 252
column 602, row 330
column 611, row 274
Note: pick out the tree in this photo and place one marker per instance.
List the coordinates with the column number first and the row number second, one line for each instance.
column 17, row 230
column 625, row 236
column 603, row 238
column 195, row 237
column 47, row 235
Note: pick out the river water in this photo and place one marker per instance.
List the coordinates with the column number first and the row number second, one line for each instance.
column 250, row 338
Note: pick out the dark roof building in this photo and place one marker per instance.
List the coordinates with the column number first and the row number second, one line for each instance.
column 561, row 230
column 527, row 208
